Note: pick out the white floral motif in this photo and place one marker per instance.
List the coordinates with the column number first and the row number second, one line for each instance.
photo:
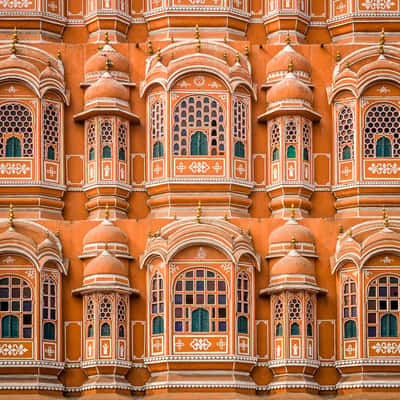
column 15, row 3
column 200, row 344
column 199, row 167
column 12, row 349
column 384, row 168
column 387, row 348
column 9, row 260
column 13, row 168
column 378, row 4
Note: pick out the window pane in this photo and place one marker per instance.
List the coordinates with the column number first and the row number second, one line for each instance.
column 371, row 331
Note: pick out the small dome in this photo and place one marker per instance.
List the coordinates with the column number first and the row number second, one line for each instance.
column 288, row 55
column 289, row 88
column 49, row 73
column 288, row 231
column 106, row 87
column 384, row 235
column 105, row 232
column 11, row 235
column 47, row 244
column 381, row 63
column 293, row 264
column 105, row 263
column 96, row 63
column 14, row 62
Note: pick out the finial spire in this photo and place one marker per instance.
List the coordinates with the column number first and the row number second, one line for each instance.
column 197, row 32
column 292, row 211
column 198, row 45
column 246, row 51
column 106, row 38
column 15, row 35
column 385, row 218
column 294, row 243
column 159, row 54
column 109, row 64
column 107, row 212
column 198, row 216
column 59, row 54
column 287, row 40
column 237, row 57
column 150, row 50
column 340, row 229
column 338, row 56
column 382, row 42
column 290, row 66
column 14, row 49
column 11, row 216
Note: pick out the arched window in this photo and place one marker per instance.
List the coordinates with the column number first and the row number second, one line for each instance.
column 106, row 152
column 383, row 306
column 158, row 325
column 157, row 120
column 275, row 154
column 10, row 327
column 309, row 330
column 158, row 149
column 16, row 298
column 383, row 147
column 306, row 140
column 92, row 154
column 51, row 153
column 388, row 325
column 200, row 320
column 305, row 155
column 199, row 114
column 90, row 331
column 345, row 133
column 350, row 329
column 121, row 154
column 279, row 330
column 198, row 144
column 157, row 303
column 239, row 149
column 13, row 147
column 16, row 119
column 243, row 326
column 49, row 331
column 121, row 331
column 295, row 329
column 200, row 301
column 291, row 152
column 382, row 119
column 346, row 153
column 105, row 329
column 49, row 306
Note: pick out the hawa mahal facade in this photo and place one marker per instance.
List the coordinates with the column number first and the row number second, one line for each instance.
column 200, row 199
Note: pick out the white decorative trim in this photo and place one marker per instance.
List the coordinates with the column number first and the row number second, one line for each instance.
column 200, row 358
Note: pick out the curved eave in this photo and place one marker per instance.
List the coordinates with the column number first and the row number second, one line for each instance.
column 289, row 110
column 105, row 288
column 292, row 287
column 91, row 112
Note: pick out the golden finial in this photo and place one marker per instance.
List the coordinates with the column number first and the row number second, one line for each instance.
column 226, row 217
column 14, row 49
column 11, row 216
column 237, row 57
column 198, row 216
column 294, row 243
column 59, row 54
column 287, row 40
column 150, row 234
column 225, row 39
column 338, row 56
column 58, row 232
column 159, row 54
column 109, row 64
column 246, row 51
column 225, row 56
column 382, row 42
column 197, row 32
column 198, row 45
column 385, row 218
column 106, row 38
column 292, row 211
column 49, row 63
column 290, row 66
column 150, row 50
column 15, row 35
column 350, row 233
column 340, row 229
column 107, row 212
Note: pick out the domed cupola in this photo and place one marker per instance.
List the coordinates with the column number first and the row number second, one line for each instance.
column 107, row 117
column 95, row 67
column 280, row 240
column 105, row 234
column 276, row 68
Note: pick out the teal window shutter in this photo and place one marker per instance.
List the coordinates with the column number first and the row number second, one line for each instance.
column 51, row 153
column 291, row 152
column 346, row 153
column 10, row 327
column 388, row 326
column 105, row 329
column 49, row 331
column 121, row 154
column 279, row 330
column 242, row 325
column 106, row 152
column 305, row 155
column 383, row 147
column 13, row 147
column 239, row 149
column 121, row 331
column 158, row 325
column 309, row 330
column 158, row 149
column 295, row 329
column 275, row 154
column 199, row 144
column 350, row 329
column 91, row 154
column 90, row 331
column 200, row 320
